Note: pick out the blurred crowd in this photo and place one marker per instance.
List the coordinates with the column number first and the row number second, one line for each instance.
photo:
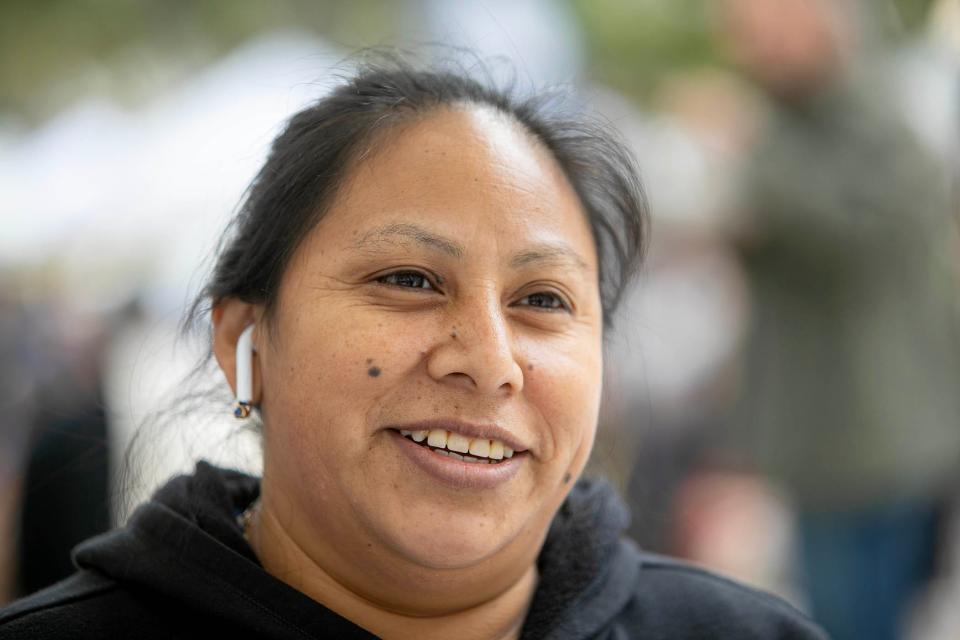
column 783, row 395
column 826, row 429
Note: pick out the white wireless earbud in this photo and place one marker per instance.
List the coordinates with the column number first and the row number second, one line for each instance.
column 244, row 373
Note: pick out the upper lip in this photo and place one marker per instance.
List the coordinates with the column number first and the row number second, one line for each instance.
column 491, row 431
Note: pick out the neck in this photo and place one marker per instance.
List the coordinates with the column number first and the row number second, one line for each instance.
column 495, row 613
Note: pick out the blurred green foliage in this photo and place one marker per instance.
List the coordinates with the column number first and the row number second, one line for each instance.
column 632, row 44
column 52, row 51
column 911, row 14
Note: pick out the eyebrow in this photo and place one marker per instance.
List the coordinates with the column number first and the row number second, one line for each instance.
column 380, row 238
column 393, row 234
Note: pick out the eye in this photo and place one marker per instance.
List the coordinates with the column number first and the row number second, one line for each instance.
column 407, row 280
column 547, row 301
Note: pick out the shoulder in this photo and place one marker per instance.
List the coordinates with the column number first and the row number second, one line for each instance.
column 675, row 599
column 85, row 605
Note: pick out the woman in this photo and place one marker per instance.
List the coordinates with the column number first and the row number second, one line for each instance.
column 412, row 301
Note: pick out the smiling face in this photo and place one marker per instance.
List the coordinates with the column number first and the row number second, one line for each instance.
column 453, row 280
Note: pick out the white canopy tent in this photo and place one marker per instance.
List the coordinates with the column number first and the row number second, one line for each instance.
column 132, row 200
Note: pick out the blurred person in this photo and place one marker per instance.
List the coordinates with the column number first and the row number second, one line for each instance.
column 849, row 393
column 65, row 496
column 681, row 331
column 682, row 326
column 16, row 402
column 411, row 305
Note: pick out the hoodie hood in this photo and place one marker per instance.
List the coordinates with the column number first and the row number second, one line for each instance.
column 185, row 546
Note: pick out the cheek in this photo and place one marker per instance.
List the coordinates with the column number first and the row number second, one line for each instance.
column 565, row 390
column 321, row 388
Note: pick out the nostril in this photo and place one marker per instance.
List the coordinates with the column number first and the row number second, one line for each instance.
column 460, row 376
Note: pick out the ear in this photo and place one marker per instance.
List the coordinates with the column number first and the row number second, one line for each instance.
column 230, row 317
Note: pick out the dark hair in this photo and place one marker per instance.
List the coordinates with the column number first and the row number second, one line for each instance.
column 309, row 159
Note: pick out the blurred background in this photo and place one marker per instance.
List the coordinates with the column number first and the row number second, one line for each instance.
column 783, row 386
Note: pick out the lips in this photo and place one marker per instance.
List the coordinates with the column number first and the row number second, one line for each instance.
column 453, row 470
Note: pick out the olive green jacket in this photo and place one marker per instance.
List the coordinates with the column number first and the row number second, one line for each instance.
column 851, row 387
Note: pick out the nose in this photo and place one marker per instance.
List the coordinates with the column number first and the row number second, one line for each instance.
column 477, row 350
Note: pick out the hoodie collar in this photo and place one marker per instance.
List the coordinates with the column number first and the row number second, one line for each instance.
column 185, row 544
column 587, row 569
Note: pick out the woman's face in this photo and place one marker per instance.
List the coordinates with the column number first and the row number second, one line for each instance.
column 453, row 281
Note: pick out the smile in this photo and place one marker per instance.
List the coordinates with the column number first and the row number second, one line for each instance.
column 459, row 469
column 460, row 447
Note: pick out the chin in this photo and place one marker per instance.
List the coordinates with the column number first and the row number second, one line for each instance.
column 452, row 543
column 450, row 556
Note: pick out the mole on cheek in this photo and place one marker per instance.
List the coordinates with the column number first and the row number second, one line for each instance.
column 373, row 372
column 566, row 477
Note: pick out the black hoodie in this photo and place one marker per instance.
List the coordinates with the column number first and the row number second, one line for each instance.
column 181, row 568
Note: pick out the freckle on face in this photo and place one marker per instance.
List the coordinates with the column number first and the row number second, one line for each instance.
column 373, row 372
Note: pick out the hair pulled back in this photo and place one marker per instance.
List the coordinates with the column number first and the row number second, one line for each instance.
column 308, row 161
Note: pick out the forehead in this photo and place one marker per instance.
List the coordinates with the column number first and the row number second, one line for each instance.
column 467, row 172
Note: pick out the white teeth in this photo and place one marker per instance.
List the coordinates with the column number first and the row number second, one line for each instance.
column 457, row 442
column 480, row 447
column 437, row 438
column 453, row 444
